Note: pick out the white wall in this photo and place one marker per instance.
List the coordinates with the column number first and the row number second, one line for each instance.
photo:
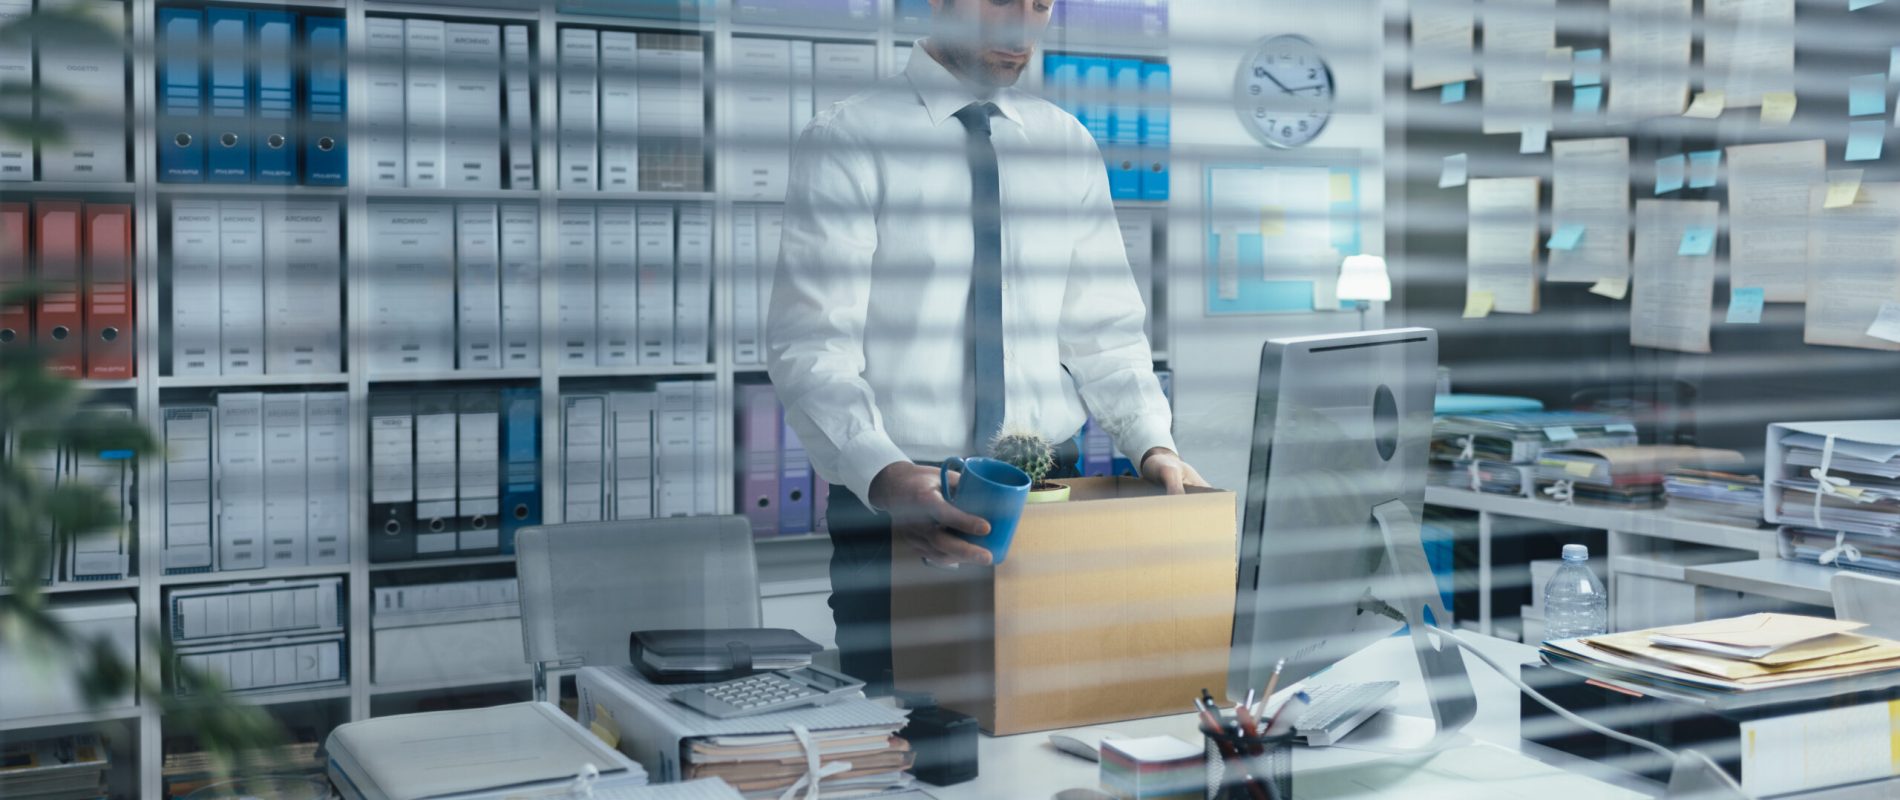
column 1216, row 359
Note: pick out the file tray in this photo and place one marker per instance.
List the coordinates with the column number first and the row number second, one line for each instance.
column 1864, row 444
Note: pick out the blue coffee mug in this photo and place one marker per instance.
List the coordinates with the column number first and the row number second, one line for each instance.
column 993, row 490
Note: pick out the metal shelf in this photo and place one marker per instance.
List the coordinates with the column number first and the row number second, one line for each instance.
column 70, row 587
column 447, row 684
column 239, row 381
column 436, row 563
column 394, row 194
column 76, row 718
column 795, row 30
column 108, row 385
column 579, row 195
column 475, row 11
column 453, row 375
column 705, row 26
column 239, row 576
column 67, row 187
column 252, row 189
column 638, row 372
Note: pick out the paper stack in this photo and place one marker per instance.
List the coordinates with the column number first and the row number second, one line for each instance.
column 1497, row 452
column 1754, row 653
column 1714, row 496
column 854, row 763
column 62, row 766
column 1154, row 768
column 1856, row 551
column 1627, row 477
column 1835, row 476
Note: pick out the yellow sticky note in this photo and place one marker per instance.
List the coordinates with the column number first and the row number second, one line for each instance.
column 603, row 727
column 1580, row 469
column 1342, row 187
column 1707, row 105
column 1843, row 186
column 1777, row 108
column 1478, row 304
column 1613, row 288
column 1272, row 221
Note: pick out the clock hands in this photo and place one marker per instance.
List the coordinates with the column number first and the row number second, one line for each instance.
column 1268, row 74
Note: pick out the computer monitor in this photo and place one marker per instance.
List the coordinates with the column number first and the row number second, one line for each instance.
column 1330, row 547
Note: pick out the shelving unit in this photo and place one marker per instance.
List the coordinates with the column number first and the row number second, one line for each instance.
column 151, row 391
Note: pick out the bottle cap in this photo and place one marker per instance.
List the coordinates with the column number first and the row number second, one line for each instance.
column 1576, row 552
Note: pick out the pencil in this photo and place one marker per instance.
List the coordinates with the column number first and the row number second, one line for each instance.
column 1273, row 681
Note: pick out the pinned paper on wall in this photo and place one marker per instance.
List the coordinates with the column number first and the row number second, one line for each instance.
column 1843, row 186
column 1587, row 69
column 1865, row 138
column 1454, row 172
column 1705, row 167
column 1744, row 305
column 1697, row 241
column 1566, row 237
column 1341, row 188
column 1586, row 101
column 1478, row 304
column 1706, row 105
column 1886, row 323
column 1670, row 171
column 1559, row 65
column 1452, row 93
column 1777, row 108
column 1867, row 95
column 1613, row 288
column 1536, row 137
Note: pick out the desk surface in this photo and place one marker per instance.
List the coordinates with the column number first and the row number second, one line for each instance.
column 1027, row 766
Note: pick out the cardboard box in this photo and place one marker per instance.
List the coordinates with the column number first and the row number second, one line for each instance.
column 1115, row 605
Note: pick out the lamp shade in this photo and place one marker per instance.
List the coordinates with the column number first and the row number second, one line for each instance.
column 1364, row 278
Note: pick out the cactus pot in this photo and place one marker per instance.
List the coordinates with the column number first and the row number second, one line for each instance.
column 1048, row 492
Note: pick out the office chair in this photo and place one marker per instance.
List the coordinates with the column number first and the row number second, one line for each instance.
column 586, row 586
column 1870, row 599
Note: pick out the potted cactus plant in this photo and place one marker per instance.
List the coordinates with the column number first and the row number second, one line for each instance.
column 1028, row 451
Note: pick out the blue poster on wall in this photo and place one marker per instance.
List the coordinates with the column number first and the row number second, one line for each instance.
column 1276, row 236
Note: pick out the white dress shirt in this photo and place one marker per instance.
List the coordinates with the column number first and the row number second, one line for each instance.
column 866, row 335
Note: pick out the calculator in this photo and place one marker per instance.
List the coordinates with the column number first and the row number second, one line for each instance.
column 769, row 691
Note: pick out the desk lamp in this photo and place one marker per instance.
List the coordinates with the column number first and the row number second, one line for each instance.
column 1362, row 279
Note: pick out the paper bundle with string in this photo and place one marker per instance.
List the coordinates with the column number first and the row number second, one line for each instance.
column 1758, row 650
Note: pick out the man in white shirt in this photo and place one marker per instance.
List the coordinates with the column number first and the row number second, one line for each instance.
column 950, row 262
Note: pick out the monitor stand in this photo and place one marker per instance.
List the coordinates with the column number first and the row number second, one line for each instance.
column 1410, row 596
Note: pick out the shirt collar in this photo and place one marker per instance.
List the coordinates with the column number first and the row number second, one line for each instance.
column 943, row 94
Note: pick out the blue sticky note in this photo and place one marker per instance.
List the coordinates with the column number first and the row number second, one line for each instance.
column 1697, row 241
column 1893, row 63
column 1704, row 166
column 1452, row 93
column 1856, row 5
column 1560, row 433
column 1565, row 237
column 1586, row 68
column 1669, row 173
column 1744, row 305
column 1864, row 139
column 1587, row 100
column 1867, row 95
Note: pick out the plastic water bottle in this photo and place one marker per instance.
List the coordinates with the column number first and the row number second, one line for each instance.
column 1575, row 603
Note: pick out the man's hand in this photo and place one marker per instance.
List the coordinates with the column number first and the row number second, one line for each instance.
column 919, row 513
column 1162, row 467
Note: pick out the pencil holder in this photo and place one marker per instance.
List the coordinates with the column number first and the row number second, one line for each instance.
column 1265, row 761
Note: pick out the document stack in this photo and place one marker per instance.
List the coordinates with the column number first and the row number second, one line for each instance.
column 447, row 631
column 186, row 771
column 448, row 105
column 759, row 754
column 777, row 85
column 256, row 480
column 518, row 750
column 455, row 287
column 1153, row 768
column 106, row 553
column 633, row 111
column 1123, row 102
column 58, row 767
column 452, row 473
column 1625, row 477
column 251, row 97
column 79, row 256
column 85, row 69
column 634, row 285
column 1834, row 487
column 1714, row 496
column 256, row 287
column 1497, row 452
column 639, row 454
column 260, row 637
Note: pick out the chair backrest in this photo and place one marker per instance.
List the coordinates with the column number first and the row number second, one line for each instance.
column 1870, row 599
column 586, row 586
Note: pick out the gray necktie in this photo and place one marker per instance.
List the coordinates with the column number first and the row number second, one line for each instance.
column 986, row 283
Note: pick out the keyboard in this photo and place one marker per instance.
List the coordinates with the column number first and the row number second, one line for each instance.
column 1334, row 710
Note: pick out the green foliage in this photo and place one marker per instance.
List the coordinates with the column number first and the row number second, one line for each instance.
column 1025, row 450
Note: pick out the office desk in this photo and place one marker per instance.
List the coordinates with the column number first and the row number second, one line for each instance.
column 1027, row 766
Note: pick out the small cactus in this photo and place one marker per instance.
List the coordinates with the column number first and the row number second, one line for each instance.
column 1025, row 450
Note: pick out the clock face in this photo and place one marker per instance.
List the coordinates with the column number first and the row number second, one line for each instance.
column 1284, row 91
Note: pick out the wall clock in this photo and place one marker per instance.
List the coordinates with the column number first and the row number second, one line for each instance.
column 1283, row 91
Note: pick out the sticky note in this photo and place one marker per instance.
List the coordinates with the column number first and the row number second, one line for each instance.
column 1744, row 305
column 1536, row 136
column 1887, row 323
column 1478, row 304
column 1843, row 186
column 1452, row 93
column 1697, row 241
column 1586, row 101
column 1579, row 469
column 1856, row 5
column 1704, row 168
column 1342, row 187
column 1454, row 171
column 1669, row 173
column 1867, row 95
column 1272, row 221
column 1560, row 433
column 1864, row 139
column 1613, row 288
column 1707, row 105
column 1893, row 64
column 1587, row 68
column 1777, row 108
column 1565, row 237
column 1557, row 65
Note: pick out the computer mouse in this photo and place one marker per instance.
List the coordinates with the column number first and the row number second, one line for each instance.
column 1084, row 743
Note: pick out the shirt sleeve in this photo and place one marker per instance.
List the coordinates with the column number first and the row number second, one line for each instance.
column 1102, row 340
column 820, row 298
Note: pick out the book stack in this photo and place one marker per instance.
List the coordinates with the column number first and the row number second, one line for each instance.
column 1624, row 477
column 1153, row 768
column 1713, row 495
column 1497, row 452
column 62, row 766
